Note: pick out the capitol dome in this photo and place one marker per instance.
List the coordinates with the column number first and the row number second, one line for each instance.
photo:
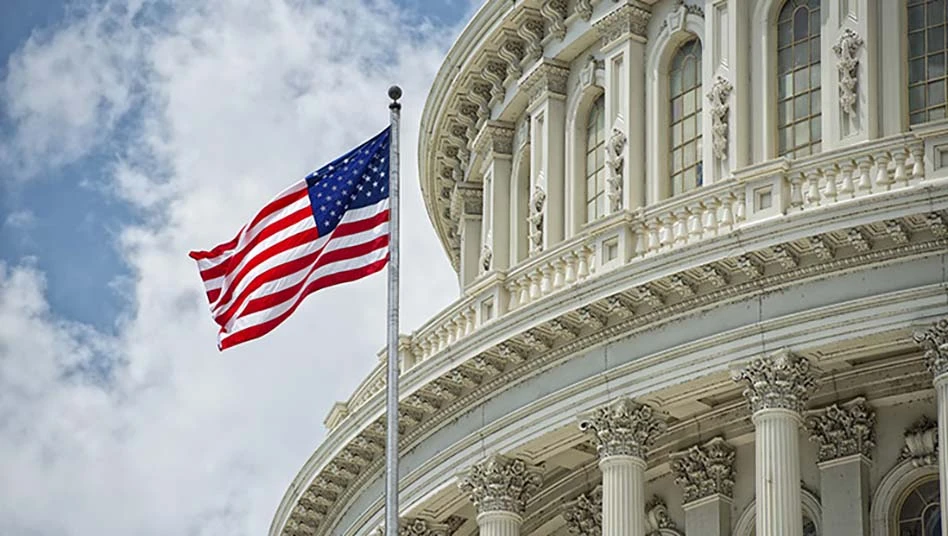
column 703, row 256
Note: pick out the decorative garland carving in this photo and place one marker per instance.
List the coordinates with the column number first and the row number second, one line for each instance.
column 921, row 443
column 615, row 148
column 501, row 484
column 718, row 96
column 624, row 428
column 843, row 430
column 535, row 219
column 780, row 381
column 845, row 49
column 583, row 515
column 705, row 470
column 934, row 342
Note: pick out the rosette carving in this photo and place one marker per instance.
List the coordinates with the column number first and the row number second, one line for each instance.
column 780, row 381
column 705, row 470
column 501, row 484
column 624, row 428
column 584, row 515
column 843, row 430
column 934, row 342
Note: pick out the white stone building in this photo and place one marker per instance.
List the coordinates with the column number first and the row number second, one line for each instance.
column 703, row 257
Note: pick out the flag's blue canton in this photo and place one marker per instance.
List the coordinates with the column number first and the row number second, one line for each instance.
column 354, row 180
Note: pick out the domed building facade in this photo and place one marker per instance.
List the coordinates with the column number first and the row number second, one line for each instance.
column 702, row 249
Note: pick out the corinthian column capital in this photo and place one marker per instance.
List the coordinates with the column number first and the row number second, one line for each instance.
column 705, row 470
column 501, row 484
column 624, row 428
column 843, row 430
column 782, row 380
column 584, row 514
column 934, row 342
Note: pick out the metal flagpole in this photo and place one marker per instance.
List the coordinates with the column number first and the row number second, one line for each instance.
column 391, row 398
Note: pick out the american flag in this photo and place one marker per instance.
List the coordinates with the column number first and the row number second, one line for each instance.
column 329, row 228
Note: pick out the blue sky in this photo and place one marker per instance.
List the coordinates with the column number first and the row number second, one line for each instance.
column 132, row 131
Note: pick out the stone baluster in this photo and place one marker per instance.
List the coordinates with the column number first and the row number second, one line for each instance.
column 559, row 276
column 934, row 342
column 624, row 430
column 846, row 436
column 680, row 227
column 583, row 270
column 524, row 284
column 654, row 238
column 778, row 388
column 711, row 216
column 546, row 280
column 706, row 476
column 666, row 232
column 899, row 175
column 571, row 261
column 812, row 188
column 500, row 488
column 829, row 189
column 796, row 190
column 534, row 285
column 865, row 183
column 883, row 181
column 918, row 162
column 740, row 208
column 846, row 186
column 695, row 226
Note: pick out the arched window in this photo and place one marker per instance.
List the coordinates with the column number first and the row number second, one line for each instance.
column 685, row 121
column 926, row 53
column 799, row 131
column 920, row 512
column 595, row 161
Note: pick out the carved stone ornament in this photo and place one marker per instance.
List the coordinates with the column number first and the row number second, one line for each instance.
column 718, row 96
column 588, row 75
column 554, row 12
column 512, row 52
column 531, row 31
column 624, row 428
column 584, row 515
column 467, row 199
column 846, row 49
column 487, row 255
column 501, row 484
column 615, row 148
column 705, row 470
column 416, row 527
column 549, row 76
column 675, row 21
column 535, row 219
column 657, row 520
column 934, row 342
column 584, row 9
column 496, row 137
column 921, row 443
column 780, row 381
column 629, row 18
column 843, row 430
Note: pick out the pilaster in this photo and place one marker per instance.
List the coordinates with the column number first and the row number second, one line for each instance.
column 624, row 430
column 546, row 86
column 623, row 33
column 726, row 63
column 495, row 143
column 849, row 70
column 466, row 206
column 500, row 487
column 934, row 342
column 845, row 434
column 778, row 388
column 706, row 476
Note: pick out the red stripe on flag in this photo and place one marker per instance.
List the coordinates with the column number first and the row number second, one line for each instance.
column 336, row 278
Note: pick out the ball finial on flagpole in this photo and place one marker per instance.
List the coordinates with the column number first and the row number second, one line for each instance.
column 395, row 93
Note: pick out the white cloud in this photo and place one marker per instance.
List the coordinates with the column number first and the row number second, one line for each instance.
column 152, row 431
column 21, row 219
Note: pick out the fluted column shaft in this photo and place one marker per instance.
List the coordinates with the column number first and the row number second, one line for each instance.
column 779, row 512
column 623, row 496
column 499, row 523
column 941, row 392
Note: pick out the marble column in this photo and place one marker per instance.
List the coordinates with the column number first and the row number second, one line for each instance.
column 624, row 430
column 706, row 476
column 934, row 341
column 500, row 487
column 778, row 388
column 845, row 434
column 495, row 143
